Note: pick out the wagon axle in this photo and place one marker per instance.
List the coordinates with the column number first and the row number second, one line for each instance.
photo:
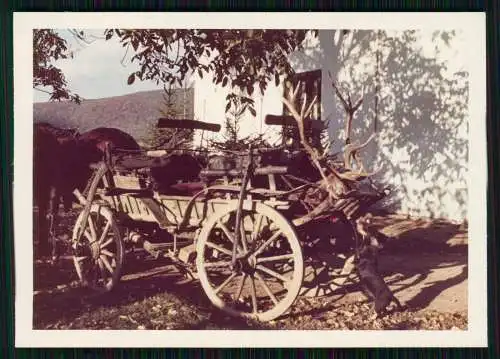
column 184, row 254
column 245, row 265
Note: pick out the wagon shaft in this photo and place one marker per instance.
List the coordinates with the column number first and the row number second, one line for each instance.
column 353, row 205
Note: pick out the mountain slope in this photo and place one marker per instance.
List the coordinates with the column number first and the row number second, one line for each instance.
column 133, row 113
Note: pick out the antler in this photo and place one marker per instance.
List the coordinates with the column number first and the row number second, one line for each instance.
column 333, row 182
column 349, row 108
column 351, row 150
column 300, row 117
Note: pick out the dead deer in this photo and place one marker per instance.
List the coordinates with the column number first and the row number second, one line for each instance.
column 332, row 183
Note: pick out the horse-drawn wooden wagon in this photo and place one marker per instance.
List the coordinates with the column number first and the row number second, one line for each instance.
column 247, row 224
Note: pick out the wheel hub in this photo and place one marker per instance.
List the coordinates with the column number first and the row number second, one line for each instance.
column 238, row 266
column 95, row 249
column 245, row 265
column 252, row 262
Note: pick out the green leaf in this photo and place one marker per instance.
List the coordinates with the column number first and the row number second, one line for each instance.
column 131, row 79
column 262, row 87
column 228, row 106
column 250, row 89
column 224, row 82
column 252, row 111
column 276, row 79
column 135, row 44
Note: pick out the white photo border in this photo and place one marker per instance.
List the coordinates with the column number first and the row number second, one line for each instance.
column 474, row 25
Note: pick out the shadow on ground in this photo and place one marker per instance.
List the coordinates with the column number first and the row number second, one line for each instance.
column 424, row 263
column 425, row 259
column 151, row 295
column 427, row 256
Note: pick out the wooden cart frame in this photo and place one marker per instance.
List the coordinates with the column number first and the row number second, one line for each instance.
column 246, row 245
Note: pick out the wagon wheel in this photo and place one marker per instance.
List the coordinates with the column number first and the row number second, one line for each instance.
column 97, row 184
column 98, row 257
column 267, row 276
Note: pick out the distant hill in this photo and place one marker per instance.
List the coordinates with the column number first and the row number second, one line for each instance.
column 132, row 113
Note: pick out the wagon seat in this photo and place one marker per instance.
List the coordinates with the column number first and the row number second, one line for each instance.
column 172, row 173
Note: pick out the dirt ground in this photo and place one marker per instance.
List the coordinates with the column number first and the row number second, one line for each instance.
column 425, row 264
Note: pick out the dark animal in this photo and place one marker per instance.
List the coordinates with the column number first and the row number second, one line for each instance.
column 66, row 154
column 172, row 173
column 369, row 234
column 46, row 184
column 90, row 148
column 174, row 169
column 62, row 134
column 367, row 265
column 373, row 282
column 95, row 140
column 61, row 164
column 298, row 163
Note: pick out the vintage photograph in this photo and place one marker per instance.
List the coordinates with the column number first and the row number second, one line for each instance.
column 251, row 178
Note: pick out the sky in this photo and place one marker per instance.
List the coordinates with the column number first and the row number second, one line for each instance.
column 96, row 70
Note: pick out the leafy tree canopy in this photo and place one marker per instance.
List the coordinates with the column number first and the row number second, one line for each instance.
column 240, row 59
column 48, row 46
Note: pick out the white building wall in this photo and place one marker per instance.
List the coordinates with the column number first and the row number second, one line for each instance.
column 422, row 116
column 210, row 103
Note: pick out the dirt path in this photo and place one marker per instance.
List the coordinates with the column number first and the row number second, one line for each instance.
column 425, row 264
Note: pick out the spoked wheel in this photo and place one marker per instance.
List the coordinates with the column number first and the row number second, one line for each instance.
column 97, row 184
column 98, row 257
column 267, row 274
